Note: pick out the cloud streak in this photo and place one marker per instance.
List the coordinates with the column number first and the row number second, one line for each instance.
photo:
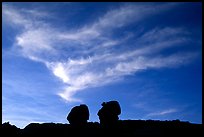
column 161, row 113
column 90, row 56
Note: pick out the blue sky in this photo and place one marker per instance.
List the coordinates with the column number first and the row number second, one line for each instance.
column 147, row 56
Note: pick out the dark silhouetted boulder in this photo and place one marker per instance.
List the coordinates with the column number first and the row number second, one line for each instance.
column 78, row 115
column 108, row 114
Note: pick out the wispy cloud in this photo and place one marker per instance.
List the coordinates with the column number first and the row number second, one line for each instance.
column 32, row 115
column 90, row 56
column 13, row 17
column 127, row 14
column 161, row 113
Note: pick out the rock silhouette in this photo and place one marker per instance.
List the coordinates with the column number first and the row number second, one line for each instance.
column 11, row 130
column 109, row 112
column 110, row 125
column 125, row 128
column 78, row 115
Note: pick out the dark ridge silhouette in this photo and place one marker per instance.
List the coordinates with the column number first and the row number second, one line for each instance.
column 110, row 125
column 78, row 115
column 126, row 128
column 10, row 130
column 108, row 114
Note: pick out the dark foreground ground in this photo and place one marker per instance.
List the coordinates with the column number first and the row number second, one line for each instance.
column 126, row 128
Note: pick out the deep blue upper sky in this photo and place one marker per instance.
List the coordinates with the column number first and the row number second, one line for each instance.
column 147, row 56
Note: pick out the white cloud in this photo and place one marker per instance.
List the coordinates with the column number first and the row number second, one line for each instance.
column 130, row 13
column 60, row 72
column 13, row 16
column 114, row 19
column 25, row 18
column 68, row 93
column 88, row 56
column 110, row 43
column 142, row 63
column 161, row 113
column 34, row 41
column 82, row 35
